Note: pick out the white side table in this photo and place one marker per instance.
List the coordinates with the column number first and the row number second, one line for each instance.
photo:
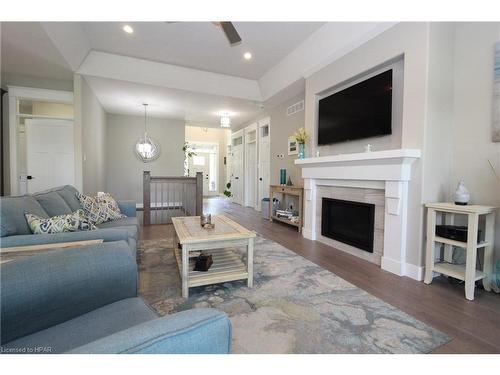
column 468, row 273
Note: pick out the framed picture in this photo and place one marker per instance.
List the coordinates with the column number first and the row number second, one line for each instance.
column 293, row 147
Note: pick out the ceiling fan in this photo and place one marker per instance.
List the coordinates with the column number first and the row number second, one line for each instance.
column 229, row 30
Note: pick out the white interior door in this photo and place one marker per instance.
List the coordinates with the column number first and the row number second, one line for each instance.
column 251, row 174
column 50, row 150
column 200, row 163
column 251, row 160
column 264, row 161
column 237, row 175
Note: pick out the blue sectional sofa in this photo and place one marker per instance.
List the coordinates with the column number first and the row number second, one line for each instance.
column 84, row 300
column 59, row 201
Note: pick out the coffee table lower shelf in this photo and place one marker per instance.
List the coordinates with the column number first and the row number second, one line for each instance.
column 227, row 266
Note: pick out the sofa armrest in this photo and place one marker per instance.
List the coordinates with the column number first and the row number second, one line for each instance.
column 40, row 291
column 128, row 208
column 197, row 331
column 106, row 234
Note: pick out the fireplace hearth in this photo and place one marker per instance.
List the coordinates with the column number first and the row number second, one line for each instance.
column 352, row 223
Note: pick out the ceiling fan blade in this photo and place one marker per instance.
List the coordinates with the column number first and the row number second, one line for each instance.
column 231, row 33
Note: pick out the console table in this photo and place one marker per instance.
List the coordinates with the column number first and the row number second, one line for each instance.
column 467, row 272
column 287, row 190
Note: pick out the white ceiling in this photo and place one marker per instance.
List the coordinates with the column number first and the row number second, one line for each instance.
column 196, row 109
column 27, row 50
column 202, row 45
column 186, row 70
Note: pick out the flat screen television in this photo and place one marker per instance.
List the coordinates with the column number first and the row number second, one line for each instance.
column 363, row 110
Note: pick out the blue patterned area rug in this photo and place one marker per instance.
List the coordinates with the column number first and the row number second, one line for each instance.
column 295, row 306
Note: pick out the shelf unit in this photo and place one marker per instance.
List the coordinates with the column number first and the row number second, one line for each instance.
column 227, row 266
column 467, row 272
column 287, row 190
column 456, row 270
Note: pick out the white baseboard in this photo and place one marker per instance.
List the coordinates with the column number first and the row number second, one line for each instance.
column 309, row 234
column 391, row 265
column 414, row 272
column 410, row 270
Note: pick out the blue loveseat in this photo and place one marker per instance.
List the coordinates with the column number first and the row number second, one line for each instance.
column 84, row 300
column 59, row 201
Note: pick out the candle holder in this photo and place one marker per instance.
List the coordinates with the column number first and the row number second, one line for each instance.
column 206, row 221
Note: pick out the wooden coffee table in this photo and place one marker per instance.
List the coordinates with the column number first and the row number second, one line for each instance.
column 227, row 266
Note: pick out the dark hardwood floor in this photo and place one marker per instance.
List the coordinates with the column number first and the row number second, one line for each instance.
column 474, row 325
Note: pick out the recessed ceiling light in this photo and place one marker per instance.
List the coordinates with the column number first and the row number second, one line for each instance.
column 128, row 29
column 247, row 55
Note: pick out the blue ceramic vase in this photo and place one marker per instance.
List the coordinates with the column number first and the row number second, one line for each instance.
column 302, row 151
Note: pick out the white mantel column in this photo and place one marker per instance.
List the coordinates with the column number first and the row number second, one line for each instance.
column 395, row 224
column 309, row 228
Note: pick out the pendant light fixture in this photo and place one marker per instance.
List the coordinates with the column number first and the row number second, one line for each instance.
column 146, row 148
column 225, row 121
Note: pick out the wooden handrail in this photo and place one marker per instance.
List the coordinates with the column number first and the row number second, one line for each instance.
column 172, row 178
column 180, row 197
column 146, row 198
column 199, row 193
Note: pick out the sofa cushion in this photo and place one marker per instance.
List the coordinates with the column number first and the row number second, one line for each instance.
column 196, row 331
column 123, row 222
column 13, row 209
column 60, row 223
column 132, row 231
column 107, row 234
column 68, row 193
column 44, row 290
column 53, row 203
column 89, row 327
column 6, row 228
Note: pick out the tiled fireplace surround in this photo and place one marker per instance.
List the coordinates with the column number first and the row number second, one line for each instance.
column 381, row 178
column 354, row 194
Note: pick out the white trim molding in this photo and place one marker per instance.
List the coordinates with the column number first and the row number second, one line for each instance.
column 389, row 170
column 14, row 94
column 131, row 69
column 40, row 94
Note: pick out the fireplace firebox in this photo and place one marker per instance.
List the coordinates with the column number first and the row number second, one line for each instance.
column 348, row 222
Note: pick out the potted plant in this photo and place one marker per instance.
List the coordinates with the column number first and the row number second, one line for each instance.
column 301, row 137
column 227, row 192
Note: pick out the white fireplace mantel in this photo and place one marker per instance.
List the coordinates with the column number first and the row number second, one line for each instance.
column 388, row 165
column 389, row 170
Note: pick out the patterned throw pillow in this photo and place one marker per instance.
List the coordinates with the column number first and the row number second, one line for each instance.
column 58, row 224
column 85, row 223
column 100, row 209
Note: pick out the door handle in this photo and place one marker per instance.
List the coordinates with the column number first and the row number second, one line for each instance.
column 260, row 178
column 30, row 177
column 236, row 178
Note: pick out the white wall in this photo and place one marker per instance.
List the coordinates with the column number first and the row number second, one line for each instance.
column 437, row 148
column 411, row 41
column 472, row 116
column 123, row 169
column 447, row 111
column 216, row 135
column 282, row 127
column 93, row 142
